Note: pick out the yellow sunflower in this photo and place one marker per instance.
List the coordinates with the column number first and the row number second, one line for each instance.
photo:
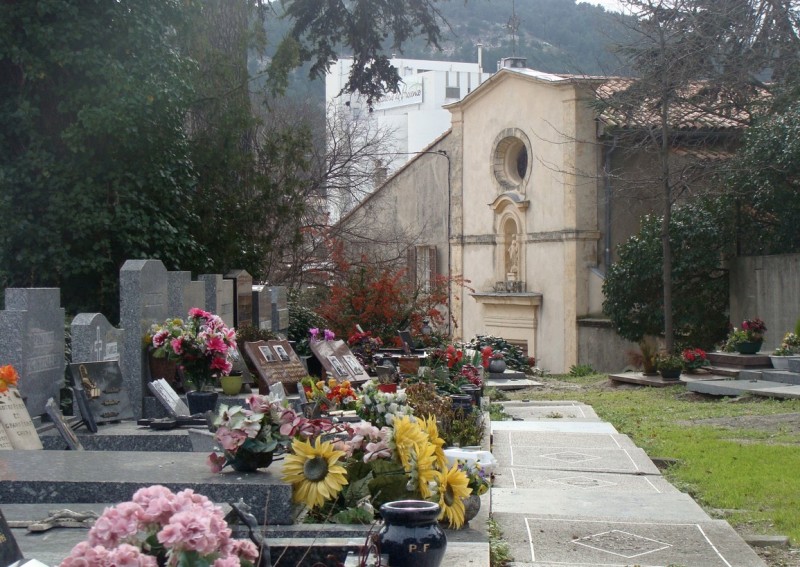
column 452, row 488
column 314, row 472
column 407, row 433
column 430, row 427
column 421, row 469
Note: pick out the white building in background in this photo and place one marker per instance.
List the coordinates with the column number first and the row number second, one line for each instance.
column 414, row 117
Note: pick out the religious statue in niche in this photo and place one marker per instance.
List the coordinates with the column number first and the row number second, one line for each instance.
column 512, row 266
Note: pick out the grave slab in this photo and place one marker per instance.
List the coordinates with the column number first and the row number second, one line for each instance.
column 626, row 461
column 124, row 436
column 569, row 481
column 569, row 440
column 548, row 542
column 507, row 384
column 97, row 476
column 782, row 376
column 741, row 387
column 553, row 413
column 554, row 426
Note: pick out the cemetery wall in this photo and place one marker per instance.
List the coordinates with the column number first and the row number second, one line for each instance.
column 767, row 287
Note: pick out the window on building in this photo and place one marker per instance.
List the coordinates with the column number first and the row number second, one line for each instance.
column 422, row 267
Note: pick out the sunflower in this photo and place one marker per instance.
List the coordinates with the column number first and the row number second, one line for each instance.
column 407, row 433
column 429, row 425
column 421, row 469
column 314, row 472
column 452, row 488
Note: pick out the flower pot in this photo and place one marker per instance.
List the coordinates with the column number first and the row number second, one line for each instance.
column 387, row 388
column 409, row 365
column 472, row 505
column 162, row 368
column 231, row 385
column 462, row 402
column 749, row 347
column 410, row 535
column 201, row 402
column 782, row 362
column 247, row 461
column 670, row 374
column 473, row 391
column 497, row 366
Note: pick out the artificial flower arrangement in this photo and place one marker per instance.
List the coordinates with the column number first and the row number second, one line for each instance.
column 752, row 331
column 347, row 479
column 790, row 345
column 327, row 334
column 364, row 347
column 694, row 359
column 381, row 408
column 250, row 436
column 331, row 395
column 668, row 361
column 477, row 479
column 159, row 527
column 200, row 345
column 8, row 377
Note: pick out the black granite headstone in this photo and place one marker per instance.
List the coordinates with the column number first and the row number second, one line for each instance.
column 104, row 385
column 9, row 550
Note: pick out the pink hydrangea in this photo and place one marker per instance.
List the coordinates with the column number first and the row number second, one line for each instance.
column 189, row 531
column 157, row 503
column 129, row 556
column 244, row 548
column 115, row 525
column 86, row 555
column 229, row 561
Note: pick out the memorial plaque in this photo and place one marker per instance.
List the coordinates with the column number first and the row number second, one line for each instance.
column 9, row 550
column 275, row 361
column 5, row 442
column 16, row 421
column 242, row 297
column 168, row 397
column 338, row 361
column 62, row 426
column 105, row 389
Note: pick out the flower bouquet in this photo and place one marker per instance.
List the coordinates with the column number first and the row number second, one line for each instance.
column 8, row 377
column 159, row 527
column 694, row 359
column 381, row 408
column 364, row 347
column 748, row 339
column 200, row 345
column 249, row 437
column 330, row 395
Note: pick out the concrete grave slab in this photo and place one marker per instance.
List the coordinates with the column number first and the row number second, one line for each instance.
column 97, row 476
column 125, row 436
column 598, row 427
column 509, row 384
column 741, row 387
column 545, row 542
column 553, row 413
column 576, row 481
column 626, row 461
column 570, row 440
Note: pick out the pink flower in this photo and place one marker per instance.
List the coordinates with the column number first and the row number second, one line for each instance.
column 190, row 531
column 216, row 462
column 115, row 524
column 259, row 404
column 196, row 312
column 221, row 363
column 314, row 333
column 329, row 336
column 230, row 561
column 230, row 439
column 160, row 338
column 157, row 503
column 177, row 346
column 86, row 555
column 216, row 344
column 245, row 549
column 129, row 556
column 379, row 450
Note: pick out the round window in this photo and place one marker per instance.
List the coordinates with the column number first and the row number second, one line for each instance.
column 511, row 162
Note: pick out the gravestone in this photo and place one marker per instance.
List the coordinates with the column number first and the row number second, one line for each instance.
column 32, row 340
column 81, row 401
column 242, row 297
column 63, row 428
column 275, row 361
column 94, row 339
column 143, row 301
column 9, row 550
column 169, row 398
column 16, row 421
column 280, row 309
column 338, row 361
column 262, row 308
column 103, row 382
column 219, row 296
column 183, row 293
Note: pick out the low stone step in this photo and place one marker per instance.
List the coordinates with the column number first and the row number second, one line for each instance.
column 783, row 376
column 736, row 360
column 724, row 371
column 742, row 387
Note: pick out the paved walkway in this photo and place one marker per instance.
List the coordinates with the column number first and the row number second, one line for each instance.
column 571, row 491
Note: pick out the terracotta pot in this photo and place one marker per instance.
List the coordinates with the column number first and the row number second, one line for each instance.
column 387, row 388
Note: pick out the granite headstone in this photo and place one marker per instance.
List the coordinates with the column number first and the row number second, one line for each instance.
column 219, row 296
column 94, row 339
column 280, row 309
column 242, row 297
column 184, row 293
column 338, row 361
column 275, row 361
column 32, row 340
column 143, row 301
column 262, row 308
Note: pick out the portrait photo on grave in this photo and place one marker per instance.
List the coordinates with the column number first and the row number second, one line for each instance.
column 281, row 352
column 269, row 356
column 353, row 364
column 337, row 366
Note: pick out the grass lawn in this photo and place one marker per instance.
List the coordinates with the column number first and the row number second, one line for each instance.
column 733, row 458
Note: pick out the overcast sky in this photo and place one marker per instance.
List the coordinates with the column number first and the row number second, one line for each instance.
column 607, row 4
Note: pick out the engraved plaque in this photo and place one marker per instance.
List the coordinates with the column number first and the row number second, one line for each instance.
column 275, row 362
column 168, row 397
column 16, row 421
column 338, row 361
column 104, row 386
